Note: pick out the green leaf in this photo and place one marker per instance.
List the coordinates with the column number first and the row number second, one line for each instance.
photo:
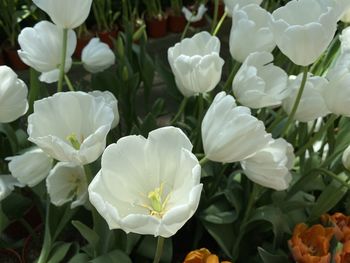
column 147, row 248
column 89, row 234
column 267, row 257
column 115, row 256
column 58, row 252
column 79, row 258
column 11, row 135
column 329, row 197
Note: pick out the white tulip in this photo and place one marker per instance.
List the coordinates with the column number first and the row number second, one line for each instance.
column 41, row 49
column 339, row 67
column 270, row 166
column 67, row 183
column 259, row 83
column 31, row 167
column 148, row 186
column 13, row 95
column 97, row 56
column 231, row 133
column 337, row 95
column 303, row 29
column 7, row 185
column 346, row 16
column 230, row 5
column 71, row 126
column 111, row 100
column 66, row 13
column 250, row 32
column 345, row 40
column 312, row 104
column 194, row 17
column 196, row 63
column 346, row 158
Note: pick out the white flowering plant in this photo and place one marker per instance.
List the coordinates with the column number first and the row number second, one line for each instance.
column 245, row 153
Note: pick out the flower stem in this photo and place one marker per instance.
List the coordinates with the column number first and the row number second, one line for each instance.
column 181, row 110
column 215, row 18
column 218, row 26
column 69, row 83
column 44, row 254
column 159, row 250
column 63, row 60
column 185, row 30
column 317, row 135
column 230, row 78
column 296, row 102
column 203, row 161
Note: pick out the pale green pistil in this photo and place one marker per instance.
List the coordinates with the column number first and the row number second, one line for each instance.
column 72, row 138
column 158, row 205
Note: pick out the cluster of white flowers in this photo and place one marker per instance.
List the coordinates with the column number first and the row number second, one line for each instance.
column 152, row 186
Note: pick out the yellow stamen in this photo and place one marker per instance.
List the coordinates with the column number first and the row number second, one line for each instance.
column 72, row 138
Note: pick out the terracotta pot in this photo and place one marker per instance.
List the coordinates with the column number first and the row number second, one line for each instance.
column 12, row 59
column 156, row 28
column 9, row 255
column 221, row 9
column 176, row 23
column 81, row 43
column 108, row 37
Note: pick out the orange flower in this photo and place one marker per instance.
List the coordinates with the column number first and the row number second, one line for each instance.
column 311, row 245
column 202, row 255
column 342, row 226
column 343, row 256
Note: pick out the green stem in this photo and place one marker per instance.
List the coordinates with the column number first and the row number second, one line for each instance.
column 317, row 136
column 297, row 101
column 69, row 83
column 333, row 175
column 159, row 250
column 251, row 202
column 215, row 18
column 203, row 161
column 181, row 110
column 44, row 254
column 63, row 60
column 185, row 30
column 233, row 72
column 218, row 26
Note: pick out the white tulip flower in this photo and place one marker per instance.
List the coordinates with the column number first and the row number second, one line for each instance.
column 67, row 183
column 41, row 49
column 196, row 63
column 148, row 186
column 270, row 166
column 346, row 158
column 31, row 167
column 111, row 100
column 230, row 133
column 259, row 83
column 190, row 17
column 339, row 67
column 97, row 56
column 303, row 29
column 230, row 5
column 71, row 126
column 345, row 40
column 7, row 185
column 337, row 95
column 346, row 16
column 250, row 32
column 66, row 13
column 312, row 104
column 13, row 96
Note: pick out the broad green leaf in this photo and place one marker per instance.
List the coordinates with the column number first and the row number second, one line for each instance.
column 58, row 252
column 79, row 258
column 89, row 234
column 267, row 257
column 115, row 256
column 329, row 197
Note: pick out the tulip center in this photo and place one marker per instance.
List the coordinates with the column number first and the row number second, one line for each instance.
column 158, row 203
column 72, row 138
